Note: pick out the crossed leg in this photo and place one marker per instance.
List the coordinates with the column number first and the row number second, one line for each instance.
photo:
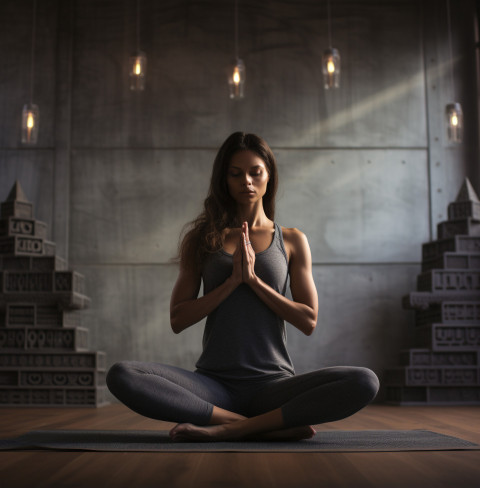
column 287, row 407
column 281, row 409
column 172, row 394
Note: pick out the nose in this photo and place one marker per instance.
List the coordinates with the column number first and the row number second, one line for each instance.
column 248, row 179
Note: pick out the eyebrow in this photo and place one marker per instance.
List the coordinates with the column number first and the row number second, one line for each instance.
column 253, row 167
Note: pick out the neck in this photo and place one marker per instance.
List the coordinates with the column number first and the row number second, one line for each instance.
column 253, row 214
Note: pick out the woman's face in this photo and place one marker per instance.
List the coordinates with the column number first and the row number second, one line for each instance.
column 247, row 177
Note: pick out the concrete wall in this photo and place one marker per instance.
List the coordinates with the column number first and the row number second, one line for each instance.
column 365, row 170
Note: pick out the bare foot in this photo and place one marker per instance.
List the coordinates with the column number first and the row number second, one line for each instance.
column 196, row 433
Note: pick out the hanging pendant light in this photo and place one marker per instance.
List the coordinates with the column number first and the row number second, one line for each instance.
column 138, row 68
column 453, row 110
column 30, row 117
column 236, row 78
column 330, row 59
column 138, row 62
column 331, row 68
column 454, row 122
column 31, row 113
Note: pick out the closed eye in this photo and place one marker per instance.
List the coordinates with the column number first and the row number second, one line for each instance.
column 257, row 173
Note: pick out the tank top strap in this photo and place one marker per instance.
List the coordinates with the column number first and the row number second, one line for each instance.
column 279, row 238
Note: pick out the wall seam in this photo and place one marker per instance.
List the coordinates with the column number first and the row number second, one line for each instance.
column 427, row 119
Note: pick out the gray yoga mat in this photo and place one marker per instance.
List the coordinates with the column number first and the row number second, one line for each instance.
column 158, row 441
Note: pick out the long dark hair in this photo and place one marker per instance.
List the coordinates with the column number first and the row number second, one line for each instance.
column 204, row 235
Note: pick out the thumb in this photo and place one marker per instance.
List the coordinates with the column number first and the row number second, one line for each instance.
column 245, row 230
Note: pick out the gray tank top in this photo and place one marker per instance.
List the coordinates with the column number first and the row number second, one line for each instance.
column 243, row 338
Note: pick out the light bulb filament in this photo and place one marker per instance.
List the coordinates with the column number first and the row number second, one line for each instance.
column 454, row 120
column 236, row 76
column 138, row 68
column 330, row 66
column 236, row 79
column 30, row 120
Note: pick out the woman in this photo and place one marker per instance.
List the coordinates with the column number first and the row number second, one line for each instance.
column 244, row 385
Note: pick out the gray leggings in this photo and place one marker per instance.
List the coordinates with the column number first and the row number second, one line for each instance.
column 172, row 394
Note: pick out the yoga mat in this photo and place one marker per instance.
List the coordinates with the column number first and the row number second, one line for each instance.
column 158, row 441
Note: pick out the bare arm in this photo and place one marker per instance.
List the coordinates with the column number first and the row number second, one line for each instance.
column 302, row 312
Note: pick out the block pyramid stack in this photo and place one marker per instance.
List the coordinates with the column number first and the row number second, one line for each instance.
column 44, row 356
column 444, row 369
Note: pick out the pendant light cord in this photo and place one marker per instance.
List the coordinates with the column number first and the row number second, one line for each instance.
column 138, row 26
column 236, row 29
column 329, row 25
column 32, row 58
column 452, row 78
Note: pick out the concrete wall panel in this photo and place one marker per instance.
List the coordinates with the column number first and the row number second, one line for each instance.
column 129, row 317
column 130, row 206
column 189, row 46
column 356, row 206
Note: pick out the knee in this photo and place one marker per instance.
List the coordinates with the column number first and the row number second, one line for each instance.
column 118, row 375
column 366, row 384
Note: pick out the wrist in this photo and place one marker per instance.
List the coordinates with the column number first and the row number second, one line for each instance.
column 252, row 280
column 233, row 282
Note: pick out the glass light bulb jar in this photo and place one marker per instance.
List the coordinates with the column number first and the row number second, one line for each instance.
column 331, row 68
column 236, row 80
column 138, row 68
column 454, row 120
column 30, row 118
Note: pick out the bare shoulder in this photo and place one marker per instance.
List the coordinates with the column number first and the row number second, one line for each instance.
column 295, row 241
column 292, row 234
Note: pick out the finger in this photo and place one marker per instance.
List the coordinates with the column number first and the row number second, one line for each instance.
column 247, row 253
column 247, row 233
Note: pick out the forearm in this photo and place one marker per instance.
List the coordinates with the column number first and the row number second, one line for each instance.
column 189, row 312
column 300, row 315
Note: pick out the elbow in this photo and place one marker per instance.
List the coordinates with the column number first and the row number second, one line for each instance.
column 310, row 324
column 309, row 328
column 178, row 324
column 174, row 326
column 307, row 320
column 179, row 319
column 174, row 323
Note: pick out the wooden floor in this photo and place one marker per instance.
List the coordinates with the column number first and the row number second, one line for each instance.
column 455, row 469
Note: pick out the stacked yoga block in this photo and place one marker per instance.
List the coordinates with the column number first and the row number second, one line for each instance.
column 44, row 356
column 444, row 368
